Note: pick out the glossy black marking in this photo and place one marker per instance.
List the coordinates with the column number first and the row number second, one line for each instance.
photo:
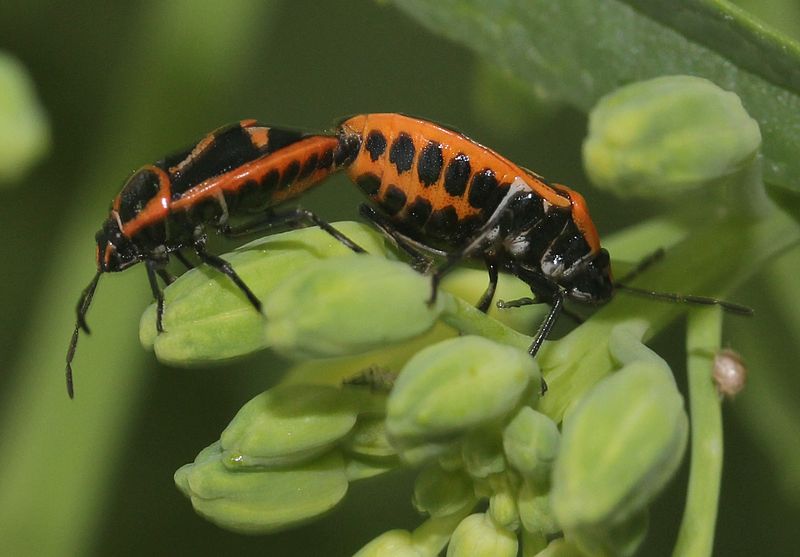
column 347, row 149
column 289, row 175
column 138, row 190
column 375, row 144
column 540, row 236
column 231, row 148
column 482, row 188
column 429, row 166
column 402, row 153
column 457, row 175
column 326, row 160
column 467, row 227
column 525, row 209
column 279, row 138
column 308, row 167
column 418, row 212
column 484, row 191
column 442, row 223
column 570, row 245
column 369, row 183
column 393, row 200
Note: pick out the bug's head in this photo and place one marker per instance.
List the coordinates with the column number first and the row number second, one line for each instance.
column 594, row 284
column 115, row 251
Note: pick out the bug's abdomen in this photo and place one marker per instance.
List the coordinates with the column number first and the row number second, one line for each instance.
column 430, row 180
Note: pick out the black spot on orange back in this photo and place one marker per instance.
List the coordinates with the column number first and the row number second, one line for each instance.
column 270, row 180
column 369, row 183
column 375, row 144
column 457, row 175
column 402, row 153
column 290, row 174
column 326, row 160
column 309, row 166
column 430, row 163
column 484, row 192
column 394, row 199
column 418, row 212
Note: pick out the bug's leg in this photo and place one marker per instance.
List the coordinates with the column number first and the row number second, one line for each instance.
column 486, row 236
column 520, row 302
column 419, row 261
column 640, row 267
column 166, row 276
column 152, row 269
column 488, row 295
column 225, row 268
column 291, row 219
column 182, row 258
column 557, row 304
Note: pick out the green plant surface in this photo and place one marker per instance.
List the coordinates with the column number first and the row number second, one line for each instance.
column 581, row 50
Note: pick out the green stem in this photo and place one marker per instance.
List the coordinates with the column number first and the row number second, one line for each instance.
column 696, row 535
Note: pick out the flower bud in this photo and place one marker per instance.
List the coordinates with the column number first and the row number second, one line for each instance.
column 24, row 131
column 620, row 445
column 478, row 536
column 397, row 543
column 207, row 318
column 288, row 424
column 441, row 493
column 339, row 307
column 483, row 454
column 368, row 439
column 535, row 512
column 259, row 501
column 456, row 386
column 502, row 503
column 531, row 443
column 664, row 136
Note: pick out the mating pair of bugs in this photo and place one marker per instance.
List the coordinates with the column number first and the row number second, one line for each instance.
column 432, row 190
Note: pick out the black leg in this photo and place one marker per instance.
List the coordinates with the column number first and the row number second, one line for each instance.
column 182, row 258
column 530, row 301
column 488, row 295
column 157, row 294
column 419, row 261
column 225, row 268
column 547, row 324
column 292, row 218
column 166, row 276
column 640, row 267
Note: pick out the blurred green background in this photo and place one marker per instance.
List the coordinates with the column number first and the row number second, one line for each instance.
column 125, row 83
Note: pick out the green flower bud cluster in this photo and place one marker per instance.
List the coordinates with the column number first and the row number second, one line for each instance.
column 382, row 380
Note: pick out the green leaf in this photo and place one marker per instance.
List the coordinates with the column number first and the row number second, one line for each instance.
column 580, row 50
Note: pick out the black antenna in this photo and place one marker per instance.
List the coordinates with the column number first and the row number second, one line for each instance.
column 80, row 323
column 731, row 307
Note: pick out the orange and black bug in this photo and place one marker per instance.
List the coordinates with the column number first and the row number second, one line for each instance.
column 437, row 191
column 164, row 207
column 433, row 192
